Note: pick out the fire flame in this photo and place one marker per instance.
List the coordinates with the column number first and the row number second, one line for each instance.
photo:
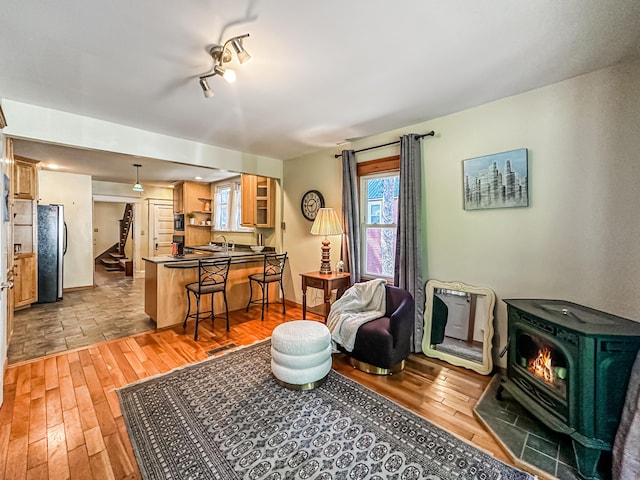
column 541, row 365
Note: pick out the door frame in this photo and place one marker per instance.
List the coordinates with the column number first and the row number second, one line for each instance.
column 138, row 272
column 6, row 258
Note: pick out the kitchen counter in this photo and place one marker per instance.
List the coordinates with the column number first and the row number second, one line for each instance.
column 206, row 252
column 192, row 258
column 165, row 296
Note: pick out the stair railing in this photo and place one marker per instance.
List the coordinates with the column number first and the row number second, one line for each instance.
column 125, row 227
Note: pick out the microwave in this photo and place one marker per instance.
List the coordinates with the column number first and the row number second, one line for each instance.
column 178, row 222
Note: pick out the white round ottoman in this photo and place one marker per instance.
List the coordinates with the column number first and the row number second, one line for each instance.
column 301, row 354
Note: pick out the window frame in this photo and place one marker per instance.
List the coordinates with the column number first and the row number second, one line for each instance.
column 234, row 212
column 218, row 206
column 379, row 168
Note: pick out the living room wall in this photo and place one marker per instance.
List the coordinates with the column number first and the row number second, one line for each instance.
column 576, row 241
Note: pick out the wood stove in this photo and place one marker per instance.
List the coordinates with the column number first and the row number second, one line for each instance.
column 569, row 365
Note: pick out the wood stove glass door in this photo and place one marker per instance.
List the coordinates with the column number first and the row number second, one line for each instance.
column 539, row 359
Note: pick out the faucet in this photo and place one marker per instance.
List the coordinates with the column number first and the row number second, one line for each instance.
column 225, row 244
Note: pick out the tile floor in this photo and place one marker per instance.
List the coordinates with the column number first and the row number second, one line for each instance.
column 528, row 439
column 113, row 309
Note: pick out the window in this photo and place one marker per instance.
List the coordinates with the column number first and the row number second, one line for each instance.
column 223, row 194
column 237, row 195
column 379, row 211
column 228, row 207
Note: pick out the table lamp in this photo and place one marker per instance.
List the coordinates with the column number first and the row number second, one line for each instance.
column 326, row 223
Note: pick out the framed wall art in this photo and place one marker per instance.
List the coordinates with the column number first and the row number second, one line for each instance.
column 499, row 180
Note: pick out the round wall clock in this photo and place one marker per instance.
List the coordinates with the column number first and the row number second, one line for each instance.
column 312, row 201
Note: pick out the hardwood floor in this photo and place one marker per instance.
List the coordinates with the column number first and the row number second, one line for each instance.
column 61, row 416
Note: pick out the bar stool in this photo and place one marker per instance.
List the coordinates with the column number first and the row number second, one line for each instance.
column 272, row 272
column 212, row 278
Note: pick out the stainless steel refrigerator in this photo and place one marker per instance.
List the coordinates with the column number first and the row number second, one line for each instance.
column 52, row 245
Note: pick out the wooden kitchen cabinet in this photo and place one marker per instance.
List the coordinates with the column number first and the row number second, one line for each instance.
column 178, row 198
column 25, row 280
column 248, row 189
column 194, row 197
column 24, row 179
column 258, row 201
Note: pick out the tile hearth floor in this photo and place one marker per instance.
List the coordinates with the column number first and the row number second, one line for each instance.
column 113, row 309
column 529, row 440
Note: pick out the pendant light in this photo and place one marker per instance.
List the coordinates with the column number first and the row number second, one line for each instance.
column 137, row 187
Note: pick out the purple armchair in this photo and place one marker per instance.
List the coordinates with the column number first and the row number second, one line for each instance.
column 382, row 344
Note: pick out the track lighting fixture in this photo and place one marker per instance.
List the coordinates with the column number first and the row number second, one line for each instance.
column 137, row 187
column 221, row 55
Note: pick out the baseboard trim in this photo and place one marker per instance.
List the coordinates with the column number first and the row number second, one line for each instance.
column 77, row 289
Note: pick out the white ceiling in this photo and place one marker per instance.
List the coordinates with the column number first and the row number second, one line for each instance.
column 321, row 73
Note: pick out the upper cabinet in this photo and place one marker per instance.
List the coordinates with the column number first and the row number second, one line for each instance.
column 178, row 198
column 25, row 185
column 258, row 201
column 194, row 197
column 248, row 212
column 24, row 231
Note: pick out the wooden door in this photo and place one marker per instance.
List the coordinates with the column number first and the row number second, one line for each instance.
column 161, row 227
column 458, row 317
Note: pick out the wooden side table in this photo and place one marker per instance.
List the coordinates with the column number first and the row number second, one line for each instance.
column 326, row 282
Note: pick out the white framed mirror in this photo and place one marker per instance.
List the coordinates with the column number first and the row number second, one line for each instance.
column 458, row 324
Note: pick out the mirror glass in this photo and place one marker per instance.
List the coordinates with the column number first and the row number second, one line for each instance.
column 459, row 324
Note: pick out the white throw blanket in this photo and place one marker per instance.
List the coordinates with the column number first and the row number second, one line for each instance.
column 360, row 304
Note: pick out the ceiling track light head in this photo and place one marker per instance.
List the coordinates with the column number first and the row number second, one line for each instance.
column 226, row 73
column 241, row 53
column 206, row 89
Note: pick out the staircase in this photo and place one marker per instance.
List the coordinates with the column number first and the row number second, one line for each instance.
column 114, row 258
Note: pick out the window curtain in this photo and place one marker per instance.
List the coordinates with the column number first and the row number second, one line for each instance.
column 350, row 251
column 408, row 263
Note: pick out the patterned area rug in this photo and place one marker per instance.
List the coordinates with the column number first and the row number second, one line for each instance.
column 226, row 418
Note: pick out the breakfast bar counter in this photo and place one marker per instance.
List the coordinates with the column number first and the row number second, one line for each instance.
column 165, row 297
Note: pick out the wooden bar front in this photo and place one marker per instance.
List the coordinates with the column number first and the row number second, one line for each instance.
column 165, row 295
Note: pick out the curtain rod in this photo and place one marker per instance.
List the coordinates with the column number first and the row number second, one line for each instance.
column 428, row 134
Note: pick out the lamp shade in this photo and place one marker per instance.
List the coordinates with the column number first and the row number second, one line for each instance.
column 326, row 223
